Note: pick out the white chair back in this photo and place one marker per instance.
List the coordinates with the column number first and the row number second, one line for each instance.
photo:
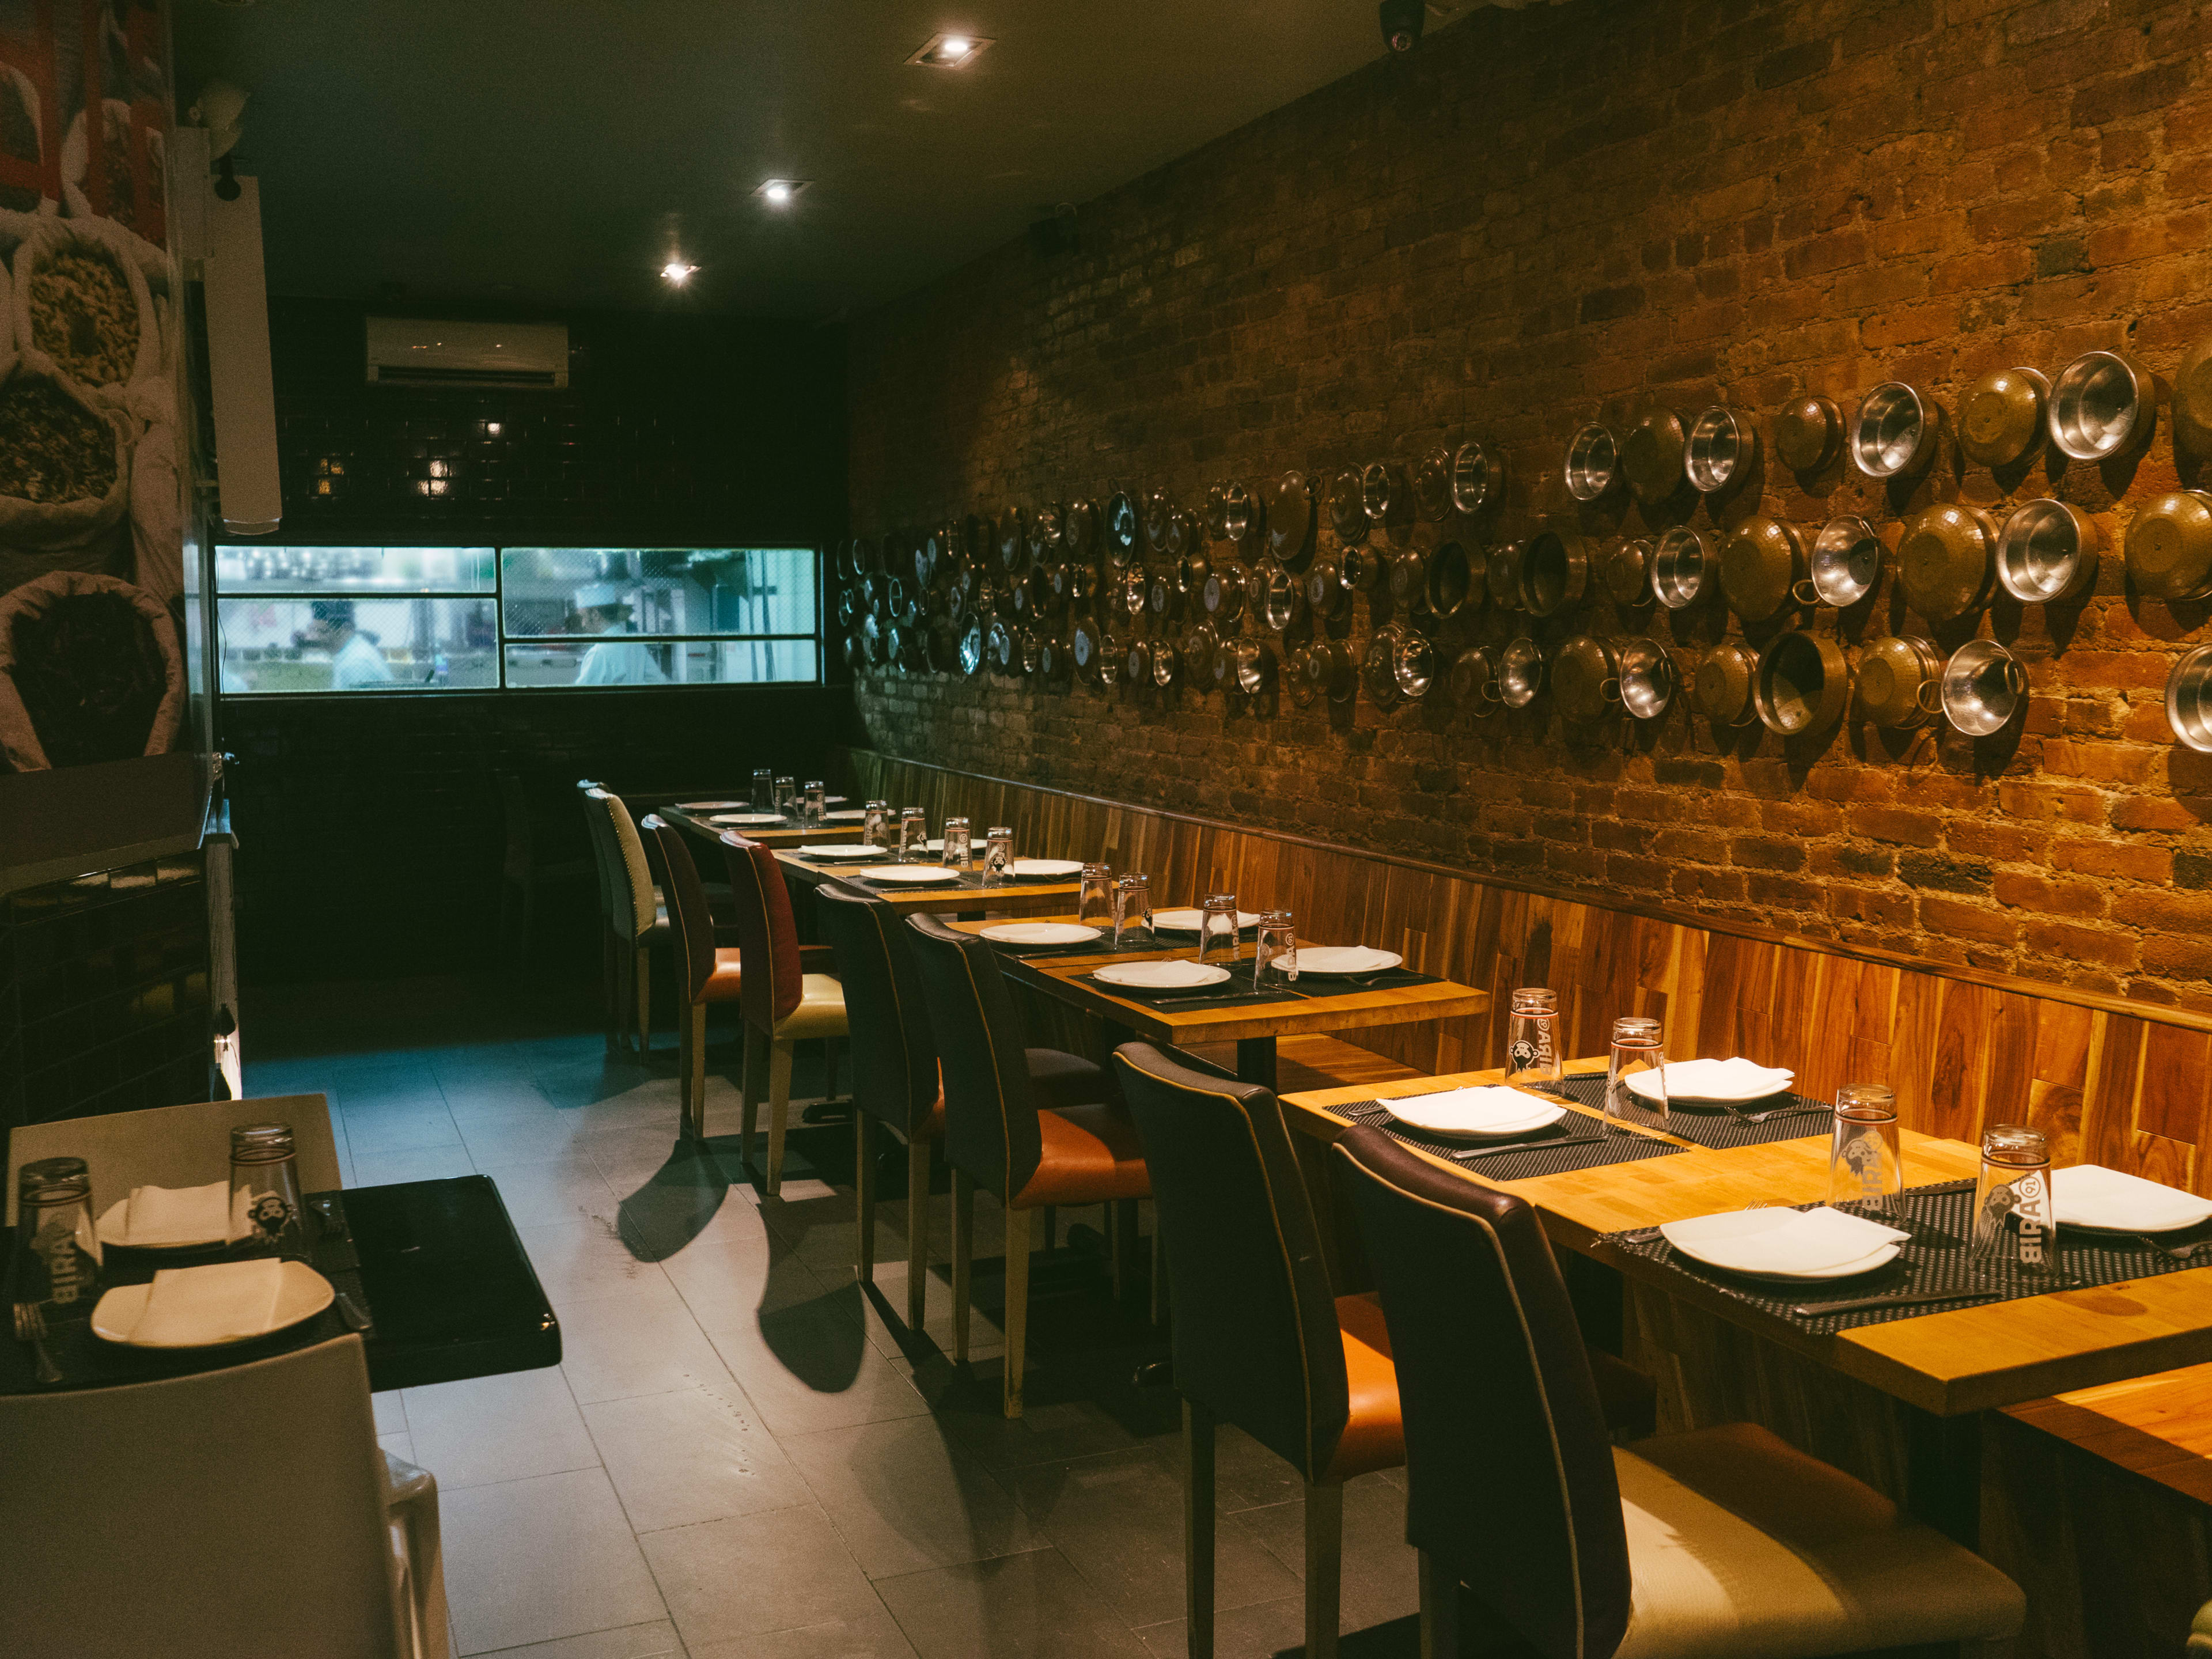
column 186, row 1146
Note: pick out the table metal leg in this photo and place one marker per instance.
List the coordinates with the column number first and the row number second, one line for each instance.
column 1256, row 1061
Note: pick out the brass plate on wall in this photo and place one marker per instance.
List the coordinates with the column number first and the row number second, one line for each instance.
column 1947, row 560
column 1652, row 455
column 1808, row 434
column 2169, row 546
column 1762, row 565
column 2001, row 417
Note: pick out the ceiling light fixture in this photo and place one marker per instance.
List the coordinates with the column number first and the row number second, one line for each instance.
column 678, row 272
column 778, row 192
column 951, row 50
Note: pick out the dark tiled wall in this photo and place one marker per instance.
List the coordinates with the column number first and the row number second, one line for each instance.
column 104, row 993
column 372, row 833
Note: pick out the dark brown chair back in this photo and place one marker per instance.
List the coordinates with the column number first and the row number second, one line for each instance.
column 688, row 918
column 1253, row 1321
column 894, row 1053
column 990, row 1113
column 768, row 936
column 1510, row 1475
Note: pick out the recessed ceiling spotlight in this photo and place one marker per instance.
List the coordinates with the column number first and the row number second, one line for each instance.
column 778, row 192
column 951, row 50
column 677, row 272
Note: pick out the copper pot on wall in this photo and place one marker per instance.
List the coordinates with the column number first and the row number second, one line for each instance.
column 1137, row 663
column 1288, row 517
column 1243, row 516
column 1554, row 572
column 1899, row 682
column 1475, row 681
column 2047, row 552
column 1684, row 569
column 1079, row 530
column 1386, row 494
column 1455, row 579
column 1347, row 510
column 1722, row 449
column 1251, row 667
column 2193, row 399
column 1432, row 486
column 1722, row 686
column 1215, row 515
column 1585, row 679
column 1808, row 434
column 1478, row 478
column 1803, row 685
column 1359, row 566
column 1648, row 679
column 1281, row 600
column 1520, row 672
column 1593, row 463
column 2169, row 546
column 1624, row 571
column 1192, row 567
column 1323, row 669
column 1897, row 432
column 1652, row 455
column 1325, row 589
column 1134, row 591
column 1087, row 647
column 1763, row 570
column 1947, row 560
column 1407, row 578
column 1503, row 572
column 2002, row 417
column 1165, row 598
column 1221, row 595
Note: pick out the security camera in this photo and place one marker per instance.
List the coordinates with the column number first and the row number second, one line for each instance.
column 1401, row 23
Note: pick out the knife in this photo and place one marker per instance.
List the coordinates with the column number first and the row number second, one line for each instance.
column 1530, row 1146
column 1896, row 1299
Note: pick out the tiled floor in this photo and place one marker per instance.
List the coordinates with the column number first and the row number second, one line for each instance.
column 742, row 1456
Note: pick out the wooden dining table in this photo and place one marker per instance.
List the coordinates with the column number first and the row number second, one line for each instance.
column 1021, row 897
column 702, row 825
column 1253, row 1027
column 1945, row 1364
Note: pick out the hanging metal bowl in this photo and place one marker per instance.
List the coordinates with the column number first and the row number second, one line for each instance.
column 1624, row 571
column 1282, row 598
column 1192, row 567
column 1763, row 570
column 1124, row 540
column 1242, row 516
column 2104, row 405
column 1288, row 519
column 1585, row 679
column 1159, row 515
column 1648, row 678
column 1520, row 672
column 1899, row 682
column 1593, row 463
column 1896, row 432
column 1432, row 490
column 1984, row 688
column 1475, row 681
column 1215, row 515
column 2169, row 546
column 1652, row 455
column 2002, row 417
column 1385, row 494
column 2047, row 553
column 1502, row 575
column 1722, row 449
column 1359, row 567
column 1375, row 669
column 1221, row 595
column 1163, row 599
column 1252, row 666
column 1413, row 664
column 1135, row 590
column 1328, row 670
column 1088, row 645
column 972, row 651
column 1347, row 508
column 1325, row 588
column 1809, row 434
column 1478, row 477
column 1000, row 650
column 1845, row 561
column 1407, row 578
column 1803, row 685
column 1947, row 560
column 1013, row 538
column 1137, row 663
column 1723, row 685
column 1167, row 664
column 1554, row 572
column 1683, row 569
column 1454, row 579
column 1079, row 530
column 2189, row 698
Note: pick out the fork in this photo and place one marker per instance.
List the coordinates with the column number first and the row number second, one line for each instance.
column 1776, row 1111
column 31, row 1328
column 2175, row 1252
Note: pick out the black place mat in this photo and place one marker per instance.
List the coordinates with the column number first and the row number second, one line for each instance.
column 1937, row 1258
column 1343, row 985
column 1715, row 1125
column 87, row 1362
column 1597, row 1145
column 1235, row 992
column 1101, row 946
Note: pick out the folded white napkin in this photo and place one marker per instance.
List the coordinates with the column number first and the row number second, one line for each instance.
column 1798, row 1242
column 177, row 1215
column 2091, row 1195
column 1488, row 1108
column 1164, row 974
column 1719, row 1080
column 1041, row 933
column 223, row 1302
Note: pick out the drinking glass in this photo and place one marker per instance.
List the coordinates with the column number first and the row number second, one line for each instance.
column 57, row 1246
column 786, row 796
column 1639, row 1049
column 816, row 802
column 2012, row 1221
column 1532, row 1047
column 1275, row 949
column 875, row 824
column 1217, row 929
column 264, row 1190
column 763, row 794
column 1133, row 914
column 959, row 845
column 999, row 855
column 1094, row 900
column 1865, row 1163
column 912, row 836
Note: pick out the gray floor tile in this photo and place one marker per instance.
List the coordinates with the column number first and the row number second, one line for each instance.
column 539, row 1192
column 1381, row 1578
column 613, row 1348
column 810, row 1366
column 521, row 1133
column 757, row 1573
column 490, row 1429
column 582, row 1260
column 1035, row 1606
column 391, row 1409
column 692, row 1454
column 903, row 1498
column 423, row 1163
column 657, row 1640
column 533, row 1560
column 1259, row 1631
column 867, row 1636
column 400, row 1128
column 400, row 1444
column 1118, row 1518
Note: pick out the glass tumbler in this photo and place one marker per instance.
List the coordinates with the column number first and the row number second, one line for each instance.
column 816, row 801
column 876, row 824
column 1094, row 899
column 1638, row 1051
column 1275, row 949
column 2012, row 1219
column 1865, row 1163
column 57, row 1246
column 1532, row 1046
column 762, row 799
column 959, row 846
column 787, row 797
column 999, row 855
column 1133, row 914
column 265, row 1210
column 1216, row 930
column 912, row 836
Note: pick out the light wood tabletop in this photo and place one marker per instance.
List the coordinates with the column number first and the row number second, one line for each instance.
column 701, row 823
column 1946, row 1361
column 1015, row 898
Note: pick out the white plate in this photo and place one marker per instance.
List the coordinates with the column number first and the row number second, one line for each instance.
column 1491, row 1113
column 1719, row 1080
column 749, row 820
column 2100, row 1201
column 1689, row 1236
column 853, row 816
column 113, row 1217
column 715, row 805
column 1041, row 933
column 301, row 1293
column 1335, row 959
column 1186, row 921
column 1048, row 867
column 1163, row 976
column 843, row 850
column 906, row 875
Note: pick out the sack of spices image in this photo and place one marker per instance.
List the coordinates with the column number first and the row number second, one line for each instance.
column 90, row 670
column 83, row 313
column 133, row 159
column 65, row 463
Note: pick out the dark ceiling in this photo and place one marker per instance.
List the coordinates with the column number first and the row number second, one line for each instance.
column 557, row 155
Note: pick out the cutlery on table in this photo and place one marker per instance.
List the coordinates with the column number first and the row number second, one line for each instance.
column 1530, row 1146
column 1777, row 1111
column 1892, row 1299
column 2175, row 1252
column 31, row 1328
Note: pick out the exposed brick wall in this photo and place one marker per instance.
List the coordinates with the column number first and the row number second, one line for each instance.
column 1554, row 215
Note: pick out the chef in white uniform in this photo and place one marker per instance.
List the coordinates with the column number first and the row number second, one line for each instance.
column 356, row 663
column 606, row 608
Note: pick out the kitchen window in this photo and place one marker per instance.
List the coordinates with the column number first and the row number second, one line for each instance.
column 429, row 619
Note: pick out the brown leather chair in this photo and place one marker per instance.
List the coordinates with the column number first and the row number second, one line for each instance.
column 1260, row 1340
column 895, row 1072
column 706, row 972
column 1723, row 1542
column 783, row 1004
column 1034, row 1126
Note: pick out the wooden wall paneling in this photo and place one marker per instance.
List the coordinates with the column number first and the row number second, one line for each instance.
column 2175, row 1077
column 2108, row 1114
column 1724, row 989
column 1961, row 1056
column 2009, row 1078
column 2059, row 1076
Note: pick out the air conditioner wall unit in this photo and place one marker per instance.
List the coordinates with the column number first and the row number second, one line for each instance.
column 513, row 357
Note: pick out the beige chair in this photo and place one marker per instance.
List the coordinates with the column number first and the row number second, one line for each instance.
column 241, row 1511
column 186, row 1146
column 636, row 920
column 603, row 859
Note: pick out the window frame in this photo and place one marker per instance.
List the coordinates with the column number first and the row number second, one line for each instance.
column 503, row 640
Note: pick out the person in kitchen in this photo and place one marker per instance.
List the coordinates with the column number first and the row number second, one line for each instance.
column 356, row 662
column 604, row 608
